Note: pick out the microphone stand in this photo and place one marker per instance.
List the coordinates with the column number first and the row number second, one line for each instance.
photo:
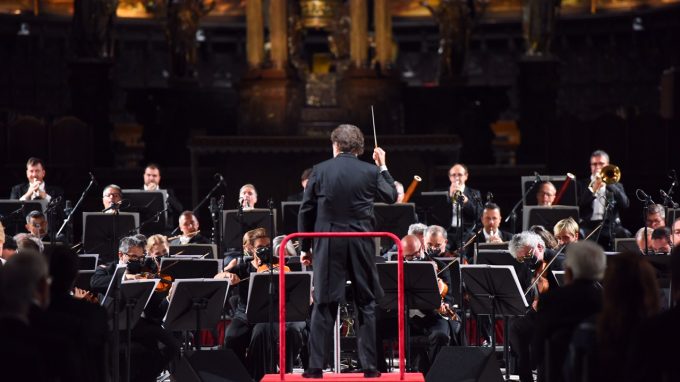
column 610, row 202
column 203, row 201
column 513, row 213
column 51, row 206
column 67, row 221
column 153, row 217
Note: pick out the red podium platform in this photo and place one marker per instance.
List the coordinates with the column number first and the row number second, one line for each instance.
column 345, row 377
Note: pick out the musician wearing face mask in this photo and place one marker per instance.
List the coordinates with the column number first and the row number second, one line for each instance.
column 528, row 249
column 191, row 234
column 35, row 187
column 148, row 358
column 241, row 334
column 247, row 196
column 431, row 324
column 466, row 204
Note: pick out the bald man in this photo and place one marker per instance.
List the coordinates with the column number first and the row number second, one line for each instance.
column 412, row 247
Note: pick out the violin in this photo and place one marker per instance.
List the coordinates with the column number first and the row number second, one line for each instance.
column 165, row 280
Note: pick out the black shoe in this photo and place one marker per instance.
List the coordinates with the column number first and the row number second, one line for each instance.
column 371, row 373
column 313, row 373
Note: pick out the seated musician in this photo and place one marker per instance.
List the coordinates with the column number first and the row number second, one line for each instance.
column 242, row 335
column 34, row 188
column 247, row 196
column 152, row 182
column 566, row 231
column 37, row 225
column 528, row 249
column 491, row 220
column 191, row 234
column 148, row 358
column 438, row 325
column 112, row 198
column 661, row 241
column 545, row 194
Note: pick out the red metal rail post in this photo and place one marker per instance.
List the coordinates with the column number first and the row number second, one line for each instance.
column 282, row 289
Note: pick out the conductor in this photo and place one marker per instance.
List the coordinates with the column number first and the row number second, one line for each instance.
column 339, row 198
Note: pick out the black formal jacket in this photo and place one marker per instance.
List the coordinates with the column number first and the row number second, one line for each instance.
column 559, row 311
column 198, row 239
column 20, row 189
column 339, row 197
column 585, row 200
column 472, row 210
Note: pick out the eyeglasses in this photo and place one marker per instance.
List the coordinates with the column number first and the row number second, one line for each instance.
column 112, row 195
column 135, row 257
column 456, row 174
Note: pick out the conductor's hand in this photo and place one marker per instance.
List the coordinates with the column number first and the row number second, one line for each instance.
column 306, row 258
column 379, row 156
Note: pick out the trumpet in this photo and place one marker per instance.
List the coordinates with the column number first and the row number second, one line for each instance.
column 609, row 174
column 411, row 188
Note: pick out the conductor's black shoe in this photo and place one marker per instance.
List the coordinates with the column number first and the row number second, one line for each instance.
column 371, row 373
column 313, row 373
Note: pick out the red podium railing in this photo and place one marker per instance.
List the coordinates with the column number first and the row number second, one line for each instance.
column 282, row 290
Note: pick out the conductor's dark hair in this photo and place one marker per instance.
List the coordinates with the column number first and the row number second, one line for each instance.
column 349, row 139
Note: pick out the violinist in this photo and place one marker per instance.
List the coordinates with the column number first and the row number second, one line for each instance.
column 241, row 334
column 191, row 234
column 431, row 324
column 528, row 249
column 148, row 358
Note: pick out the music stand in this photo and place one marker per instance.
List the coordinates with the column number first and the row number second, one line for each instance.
column 434, row 208
column 289, row 216
column 494, row 257
column 87, row 265
column 662, row 266
column 626, row 244
column 420, row 290
column 568, row 199
column 547, row 216
column 13, row 213
column 101, row 232
column 233, row 230
column 194, row 250
column 494, row 290
column 148, row 204
column 189, row 268
column 559, row 276
column 298, row 290
column 196, row 304
column 394, row 218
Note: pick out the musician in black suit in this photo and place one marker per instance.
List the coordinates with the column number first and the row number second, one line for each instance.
column 465, row 199
column 595, row 195
column 339, row 197
column 188, row 224
column 152, row 182
column 560, row 310
column 35, row 188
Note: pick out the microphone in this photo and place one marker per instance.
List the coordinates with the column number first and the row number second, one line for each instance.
column 538, row 177
column 220, row 178
column 667, row 200
column 643, row 197
column 489, row 197
column 673, row 176
column 92, row 179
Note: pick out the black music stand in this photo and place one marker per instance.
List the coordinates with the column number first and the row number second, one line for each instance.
column 232, row 234
column 494, row 257
column 559, row 277
column 626, row 244
column 190, row 268
column 547, row 216
column 101, row 232
column 87, row 265
column 194, row 250
column 662, row 266
column 434, row 208
column 568, row 199
column 13, row 213
column 394, row 218
column 420, row 289
column 196, row 304
column 149, row 205
column 289, row 217
column 494, row 290
column 298, row 290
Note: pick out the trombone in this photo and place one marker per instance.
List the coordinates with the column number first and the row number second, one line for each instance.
column 608, row 174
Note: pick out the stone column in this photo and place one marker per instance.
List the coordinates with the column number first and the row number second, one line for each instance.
column 278, row 32
column 254, row 33
column 358, row 35
column 383, row 33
